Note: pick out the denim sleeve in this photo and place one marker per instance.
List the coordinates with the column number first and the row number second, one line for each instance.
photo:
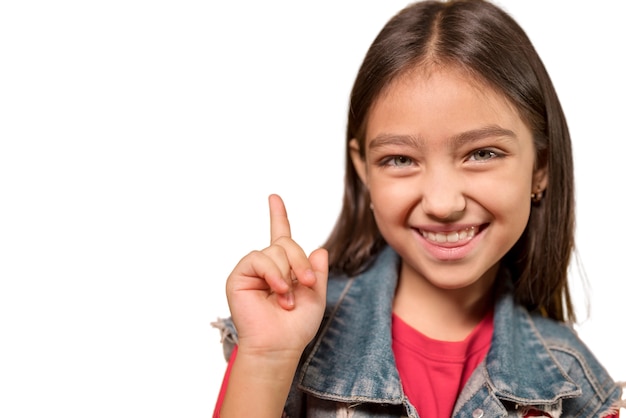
column 228, row 335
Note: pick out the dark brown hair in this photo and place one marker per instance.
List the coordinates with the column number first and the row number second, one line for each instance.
column 482, row 40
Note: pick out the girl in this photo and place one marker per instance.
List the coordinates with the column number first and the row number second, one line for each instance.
column 442, row 290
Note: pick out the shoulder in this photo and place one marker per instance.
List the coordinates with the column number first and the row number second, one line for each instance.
column 600, row 392
column 565, row 343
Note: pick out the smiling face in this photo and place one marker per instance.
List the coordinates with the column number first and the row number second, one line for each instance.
column 449, row 165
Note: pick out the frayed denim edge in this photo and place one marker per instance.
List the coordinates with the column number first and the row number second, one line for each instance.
column 228, row 335
column 619, row 404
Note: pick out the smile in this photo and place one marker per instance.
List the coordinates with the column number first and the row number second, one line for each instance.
column 451, row 237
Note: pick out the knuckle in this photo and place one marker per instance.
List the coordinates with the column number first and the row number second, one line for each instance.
column 275, row 251
column 254, row 254
column 283, row 240
column 253, row 257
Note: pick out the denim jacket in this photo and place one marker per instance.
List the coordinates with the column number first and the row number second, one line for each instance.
column 534, row 363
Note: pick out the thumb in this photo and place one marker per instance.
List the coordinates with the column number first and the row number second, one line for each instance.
column 319, row 263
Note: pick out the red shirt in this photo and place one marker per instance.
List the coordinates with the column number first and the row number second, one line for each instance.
column 434, row 372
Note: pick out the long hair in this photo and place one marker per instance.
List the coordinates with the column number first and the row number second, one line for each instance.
column 484, row 41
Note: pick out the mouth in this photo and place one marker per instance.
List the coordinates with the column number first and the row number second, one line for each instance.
column 450, row 237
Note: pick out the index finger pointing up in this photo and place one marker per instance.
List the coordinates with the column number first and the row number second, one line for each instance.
column 279, row 223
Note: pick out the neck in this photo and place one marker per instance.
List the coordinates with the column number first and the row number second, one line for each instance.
column 443, row 314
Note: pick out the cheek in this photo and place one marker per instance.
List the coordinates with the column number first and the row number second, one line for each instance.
column 508, row 200
column 392, row 202
column 514, row 209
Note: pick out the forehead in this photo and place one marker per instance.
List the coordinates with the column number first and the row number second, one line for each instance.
column 440, row 102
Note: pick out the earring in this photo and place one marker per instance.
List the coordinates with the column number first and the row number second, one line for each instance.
column 536, row 197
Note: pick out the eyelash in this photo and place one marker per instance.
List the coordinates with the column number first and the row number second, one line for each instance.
column 491, row 153
column 391, row 161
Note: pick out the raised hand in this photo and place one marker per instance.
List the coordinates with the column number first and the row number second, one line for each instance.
column 277, row 295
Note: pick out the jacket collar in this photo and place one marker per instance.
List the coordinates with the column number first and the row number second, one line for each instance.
column 520, row 366
column 352, row 359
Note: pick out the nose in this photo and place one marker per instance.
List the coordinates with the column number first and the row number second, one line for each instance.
column 442, row 196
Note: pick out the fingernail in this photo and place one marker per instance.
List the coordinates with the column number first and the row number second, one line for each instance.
column 289, row 299
column 309, row 274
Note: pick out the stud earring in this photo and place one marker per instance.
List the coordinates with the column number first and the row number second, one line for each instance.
column 536, row 197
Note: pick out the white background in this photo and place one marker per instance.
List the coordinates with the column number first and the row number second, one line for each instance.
column 139, row 142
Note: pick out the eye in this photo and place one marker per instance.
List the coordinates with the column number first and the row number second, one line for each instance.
column 483, row 155
column 398, row 161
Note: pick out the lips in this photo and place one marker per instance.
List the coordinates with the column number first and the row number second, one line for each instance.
column 452, row 237
column 451, row 245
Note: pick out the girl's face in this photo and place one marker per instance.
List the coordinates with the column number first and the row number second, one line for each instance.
column 450, row 169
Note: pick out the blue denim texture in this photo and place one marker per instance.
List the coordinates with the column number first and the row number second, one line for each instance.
column 533, row 362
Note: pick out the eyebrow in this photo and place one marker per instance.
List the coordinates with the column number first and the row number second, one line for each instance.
column 384, row 140
column 489, row 131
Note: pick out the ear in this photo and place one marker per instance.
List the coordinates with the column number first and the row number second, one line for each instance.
column 357, row 160
column 540, row 180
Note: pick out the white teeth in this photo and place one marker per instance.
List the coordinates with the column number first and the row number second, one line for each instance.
column 455, row 236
